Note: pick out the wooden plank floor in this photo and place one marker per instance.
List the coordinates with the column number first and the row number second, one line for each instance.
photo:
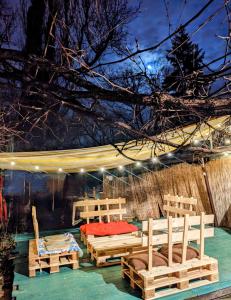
column 106, row 283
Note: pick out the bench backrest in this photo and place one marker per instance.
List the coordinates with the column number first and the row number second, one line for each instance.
column 105, row 207
column 178, row 206
column 176, row 230
column 35, row 225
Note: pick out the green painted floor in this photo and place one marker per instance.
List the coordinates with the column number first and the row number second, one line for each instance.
column 90, row 283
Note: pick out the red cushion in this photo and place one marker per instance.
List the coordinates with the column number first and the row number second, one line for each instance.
column 110, row 228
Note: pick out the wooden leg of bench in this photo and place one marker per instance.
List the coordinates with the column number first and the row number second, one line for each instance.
column 213, row 277
column 148, row 294
column 184, row 284
column 54, row 269
column 54, row 259
column 132, row 283
column 32, row 273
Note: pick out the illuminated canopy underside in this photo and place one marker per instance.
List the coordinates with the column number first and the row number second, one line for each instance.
column 107, row 156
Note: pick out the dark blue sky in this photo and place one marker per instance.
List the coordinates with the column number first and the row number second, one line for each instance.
column 151, row 25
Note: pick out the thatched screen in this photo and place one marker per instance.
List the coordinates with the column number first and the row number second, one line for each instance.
column 145, row 196
column 219, row 176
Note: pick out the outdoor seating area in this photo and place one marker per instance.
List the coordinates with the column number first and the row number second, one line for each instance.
column 107, row 283
column 115, row 150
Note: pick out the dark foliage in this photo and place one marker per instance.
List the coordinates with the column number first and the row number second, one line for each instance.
column 186, row 59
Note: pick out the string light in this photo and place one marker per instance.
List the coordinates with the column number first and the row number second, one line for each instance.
column 12, row 163
column 60, row 169
column 227, row 141
column 138, row 164
column 154, row 159
column 226, row 154
column 121, row 168
column 196, row 142
column 169, row 154
column 102, row 169
column 82, row 170
column 36, row 167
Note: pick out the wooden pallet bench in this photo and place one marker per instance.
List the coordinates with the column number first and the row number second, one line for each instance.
column 156, row 282
column 106, row 208
column 107, row 250
column 51, row 262
column 179, row 206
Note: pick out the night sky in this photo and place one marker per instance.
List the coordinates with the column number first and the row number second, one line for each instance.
column 151, row 25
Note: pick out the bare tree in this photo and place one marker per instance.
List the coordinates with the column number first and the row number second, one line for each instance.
column 69, row 73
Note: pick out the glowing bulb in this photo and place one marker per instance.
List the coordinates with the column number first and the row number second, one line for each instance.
column 81, row 170
column 121, row 168
column 227, row 141
column 219, row 125
column 226, row 154
column 12, row 163
column 102, row 169
column 60, row 169
column 154, row 159
column 36, row 167
column 149, row 67
column 169, row 154
column 196, row 142
column 138, row 163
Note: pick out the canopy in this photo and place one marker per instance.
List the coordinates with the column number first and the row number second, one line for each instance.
column 107, row 156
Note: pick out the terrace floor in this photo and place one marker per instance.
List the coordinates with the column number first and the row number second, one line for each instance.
column 106, row 283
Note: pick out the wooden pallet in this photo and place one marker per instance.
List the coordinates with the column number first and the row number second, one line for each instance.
column 165, row 281
column 179, row 206
column 108, row 250
column 156, row 282
column 52, row 262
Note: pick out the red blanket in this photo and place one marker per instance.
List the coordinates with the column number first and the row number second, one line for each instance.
column 112, row 228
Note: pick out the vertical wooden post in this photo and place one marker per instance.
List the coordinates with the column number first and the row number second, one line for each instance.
column 185, row 239
column 87, row 209
column 100, row 217
column 168, row 205
column 107, row 208
column 202, row 232
column 169, row 241
column 150, row 230
column 210, row 196
column 120, row 208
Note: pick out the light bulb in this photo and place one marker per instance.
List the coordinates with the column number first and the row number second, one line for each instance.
column 12, row 163
column 227, row 141
column 81, row 170
column 36, row 167
column 154, row 159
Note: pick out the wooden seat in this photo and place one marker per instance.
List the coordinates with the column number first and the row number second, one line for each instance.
column 107, row 250
column 48, row 261
column 191, row 269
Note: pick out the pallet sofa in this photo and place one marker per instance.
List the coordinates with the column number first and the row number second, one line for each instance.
column 39, row 259
column 107, row 246
column 178, row 206
column 176, row 266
